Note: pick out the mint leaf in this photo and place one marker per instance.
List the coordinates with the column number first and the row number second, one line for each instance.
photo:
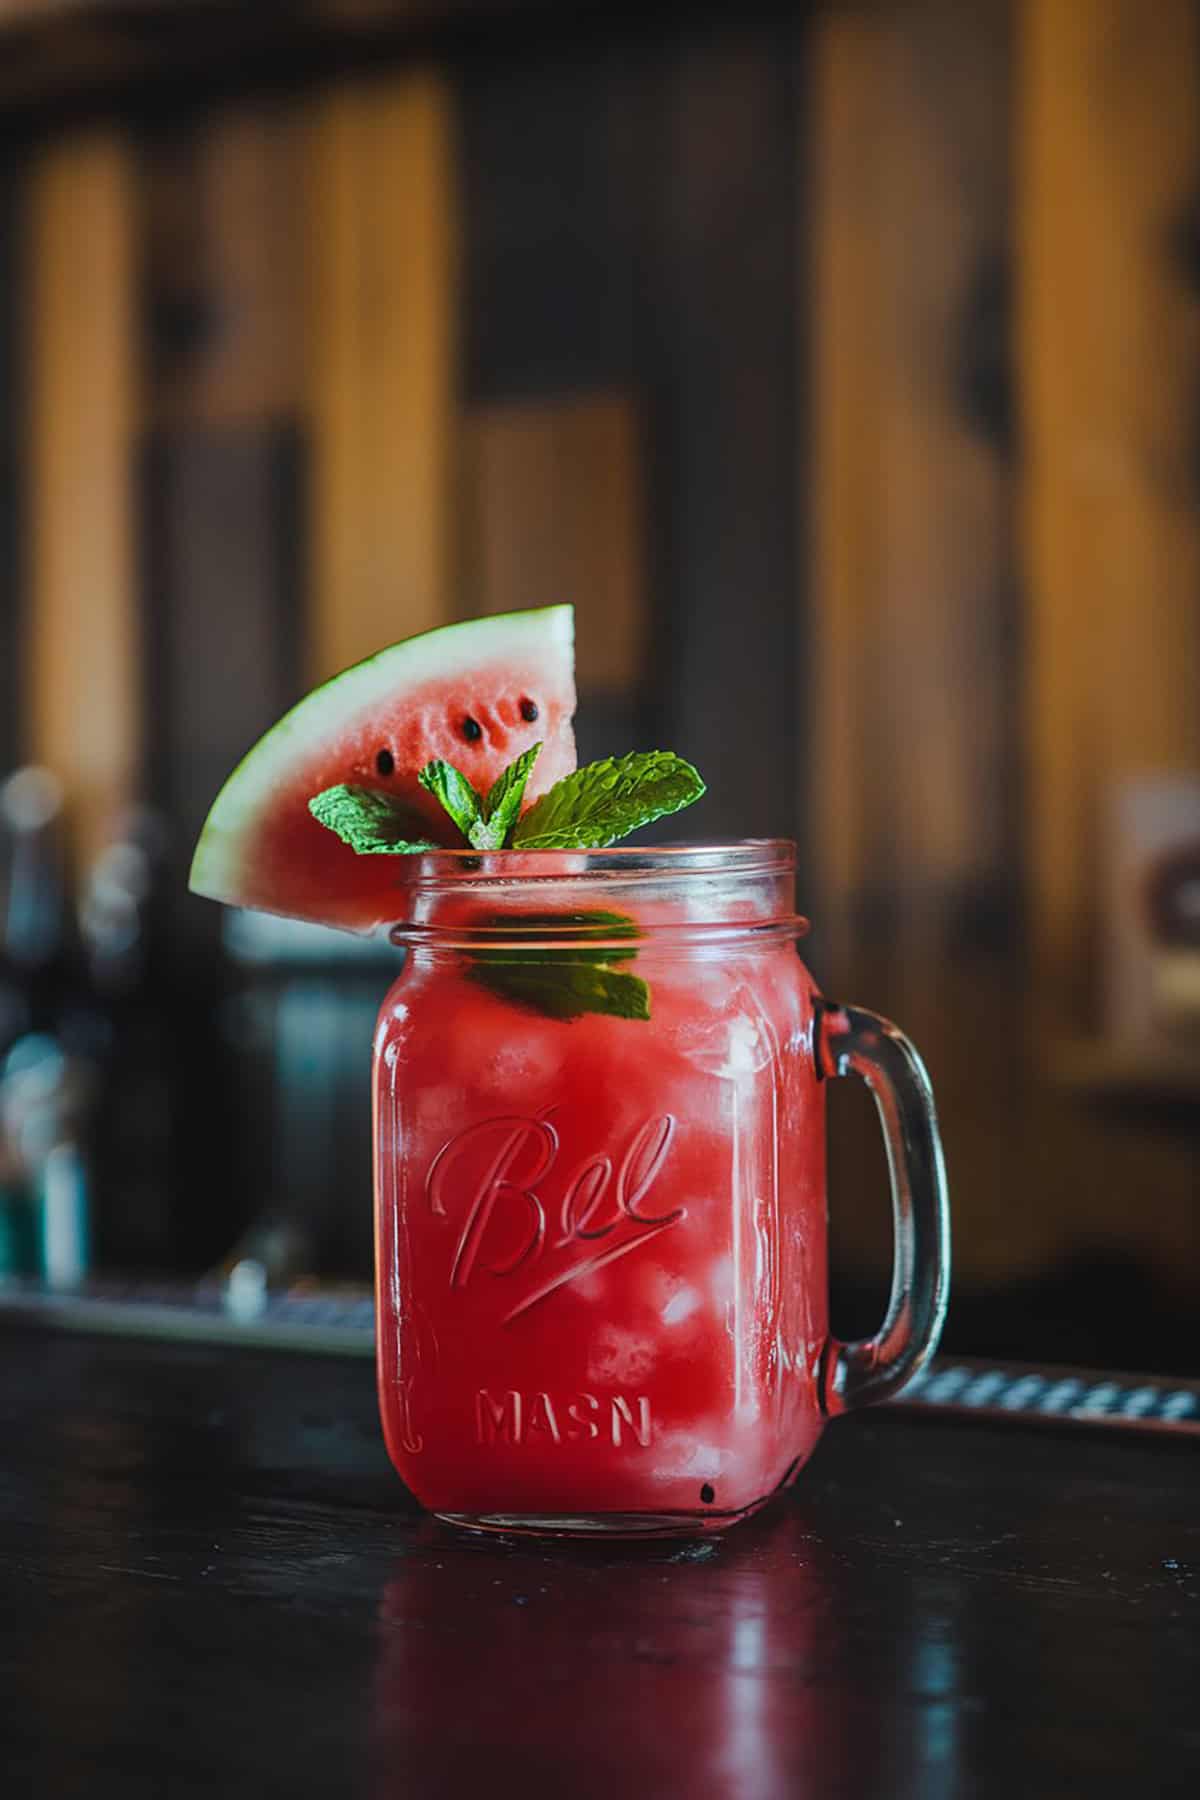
column 503, row 803
column 607, row 800
column 566, row 990
column 451, row 787
column 581, row 925
column 371, row 822
column 563, row 984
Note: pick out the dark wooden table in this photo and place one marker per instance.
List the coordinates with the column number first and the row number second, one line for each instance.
column 212, row 1584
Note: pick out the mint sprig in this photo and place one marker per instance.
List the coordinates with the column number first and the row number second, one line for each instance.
column 486, row 823
column 372, row 823
column 592, row 807
column 607, row 800
column 586, row 810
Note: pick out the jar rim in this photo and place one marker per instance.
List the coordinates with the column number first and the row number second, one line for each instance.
column 552, row 877
column 716, row 856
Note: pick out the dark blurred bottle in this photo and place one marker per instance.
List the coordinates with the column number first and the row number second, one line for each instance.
column 50, row 1039
column 34, row 903
column 133, row 1139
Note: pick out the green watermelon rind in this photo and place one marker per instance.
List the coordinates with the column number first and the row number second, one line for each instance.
column 437, row 655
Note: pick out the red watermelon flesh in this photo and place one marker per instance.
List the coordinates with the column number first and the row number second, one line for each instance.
column 377, row 725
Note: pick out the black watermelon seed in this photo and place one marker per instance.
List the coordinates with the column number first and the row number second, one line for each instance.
column 385, row 762
column 708, row 1493
column 529, row 710
column 472, row 730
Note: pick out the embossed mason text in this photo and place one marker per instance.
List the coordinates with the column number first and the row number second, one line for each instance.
column 514, row 1418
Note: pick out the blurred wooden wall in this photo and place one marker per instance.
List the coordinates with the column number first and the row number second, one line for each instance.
column 914, row 760
column 915, row 677
column 236, row 448
column 843, row 368
column 223, row 464
column 629, row 295
column 325, row 329
column 1003, row 592
column 550, row 145
column 1108, row 322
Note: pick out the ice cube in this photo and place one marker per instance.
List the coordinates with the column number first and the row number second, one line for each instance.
column 620, row 1358
column 691, row 1455
column 731, row 1045
column 721, row 1281
column 523, row 1065
column 680, row 1306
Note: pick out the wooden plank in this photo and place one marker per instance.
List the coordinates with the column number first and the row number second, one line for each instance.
column 553, row 510
column 836, row 152
column 559, row 244
column 912, row 683
column 1109, row 334
column 222, row 512
column 221, row 199
column 221, row 203
column 381, row 237
column 223, row 597
column 718, row 316
column 555, row 184
column 82, row 654
column 11, row 608
column 911, row 669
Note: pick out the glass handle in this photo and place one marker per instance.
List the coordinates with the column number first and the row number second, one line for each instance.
column 847, row 1040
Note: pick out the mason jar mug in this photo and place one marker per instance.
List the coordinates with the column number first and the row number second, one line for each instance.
column 600, row 1191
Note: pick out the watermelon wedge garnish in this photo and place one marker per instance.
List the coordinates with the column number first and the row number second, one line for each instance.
column 475, row 695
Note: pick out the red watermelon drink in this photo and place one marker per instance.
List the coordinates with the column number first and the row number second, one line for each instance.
column 601, row 1238
column 599, row 1121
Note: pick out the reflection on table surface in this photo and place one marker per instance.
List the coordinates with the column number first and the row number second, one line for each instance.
column 939, row 1608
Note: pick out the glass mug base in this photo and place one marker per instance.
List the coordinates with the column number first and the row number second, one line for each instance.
column 602, row 1525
